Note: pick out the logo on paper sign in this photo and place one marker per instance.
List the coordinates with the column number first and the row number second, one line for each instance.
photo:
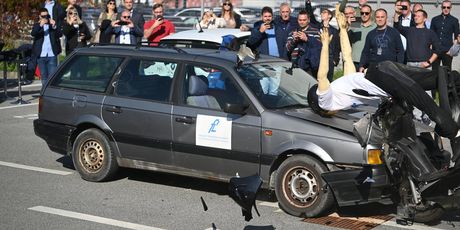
column 214, row 124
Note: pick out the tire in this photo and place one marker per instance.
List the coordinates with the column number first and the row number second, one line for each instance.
column 93, row 157
column 309, row 201
column 428, row 214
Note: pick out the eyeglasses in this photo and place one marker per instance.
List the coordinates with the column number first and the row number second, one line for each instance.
column 127, row 17
column 446, row 7
column 44, row 16
column 365, row 13
column 227, row 4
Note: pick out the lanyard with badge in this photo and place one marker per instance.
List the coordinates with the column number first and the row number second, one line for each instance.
column 380, row 42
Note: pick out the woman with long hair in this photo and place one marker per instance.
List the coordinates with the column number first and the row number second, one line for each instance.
column 75, row 30
column 232, row 19
column 103, row 23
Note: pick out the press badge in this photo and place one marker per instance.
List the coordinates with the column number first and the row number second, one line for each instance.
column 379, row 51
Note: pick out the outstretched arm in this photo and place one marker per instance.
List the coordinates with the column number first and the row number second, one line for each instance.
column 323, row 82
column 348, row 66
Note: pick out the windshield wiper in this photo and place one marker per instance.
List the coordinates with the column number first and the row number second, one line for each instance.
column 293, row 106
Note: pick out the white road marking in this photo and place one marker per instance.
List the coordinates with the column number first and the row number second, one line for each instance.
column 17, row 106
column 28, row 116
column 96, row 219
column 269, row 204
column 32, row 168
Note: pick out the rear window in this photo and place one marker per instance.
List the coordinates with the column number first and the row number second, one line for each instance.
column 92, row 73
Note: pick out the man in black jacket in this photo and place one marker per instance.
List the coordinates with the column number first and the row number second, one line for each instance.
column 445, row 25
column 382, row 44
column 46, row 46
column 266, row 37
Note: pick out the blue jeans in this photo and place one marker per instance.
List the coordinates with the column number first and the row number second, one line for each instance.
column 47, row 66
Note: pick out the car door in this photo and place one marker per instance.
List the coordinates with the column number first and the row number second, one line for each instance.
column 206, row 140
column 139, row 110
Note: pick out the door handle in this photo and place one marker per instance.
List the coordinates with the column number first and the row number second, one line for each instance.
column 114, row 109
column 186, row 120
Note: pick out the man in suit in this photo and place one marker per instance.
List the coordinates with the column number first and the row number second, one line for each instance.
column 135, row 16
column 403, row 14
column 126, row 32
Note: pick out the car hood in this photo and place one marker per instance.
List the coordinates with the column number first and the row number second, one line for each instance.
column 342, row 120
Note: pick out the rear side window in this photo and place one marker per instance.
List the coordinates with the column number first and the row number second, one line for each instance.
column 146, row 79
column 92, row 73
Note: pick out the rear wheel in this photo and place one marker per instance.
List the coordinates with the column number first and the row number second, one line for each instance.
column 299, row 187
column 93, row 157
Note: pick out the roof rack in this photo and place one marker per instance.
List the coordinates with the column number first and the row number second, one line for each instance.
column 139, row 45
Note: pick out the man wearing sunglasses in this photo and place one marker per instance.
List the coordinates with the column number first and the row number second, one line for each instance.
column 447, row 29
column 358, row 35
column 135, row 16
column 124, row 29
column 46, row 46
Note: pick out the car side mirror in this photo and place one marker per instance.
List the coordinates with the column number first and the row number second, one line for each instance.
column 235, row 108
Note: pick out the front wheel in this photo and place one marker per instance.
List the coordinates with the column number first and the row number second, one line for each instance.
column 93, row 157
column 299, row 187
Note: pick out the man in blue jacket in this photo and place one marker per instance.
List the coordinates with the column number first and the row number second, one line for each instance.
column 46, row 46
column 266, row 37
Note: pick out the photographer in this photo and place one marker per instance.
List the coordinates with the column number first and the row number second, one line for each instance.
column 75, row 31
column 46, row 46
column 304, row 46
column 266, row 37
column 124, row 29
column 158, row 27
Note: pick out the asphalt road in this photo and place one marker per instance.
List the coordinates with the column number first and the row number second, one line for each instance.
column 41, row 190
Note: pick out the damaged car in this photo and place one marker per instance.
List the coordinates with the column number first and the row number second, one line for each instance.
column 203, row 113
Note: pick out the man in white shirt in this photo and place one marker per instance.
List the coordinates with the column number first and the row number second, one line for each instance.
column 382, row 79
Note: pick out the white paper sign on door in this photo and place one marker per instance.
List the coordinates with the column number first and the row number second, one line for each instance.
column 212, row 131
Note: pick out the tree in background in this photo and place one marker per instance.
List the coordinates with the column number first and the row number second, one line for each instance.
column 16, row 20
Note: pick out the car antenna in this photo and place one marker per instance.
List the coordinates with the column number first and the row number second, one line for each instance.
column 179, row 50
column 199, row 24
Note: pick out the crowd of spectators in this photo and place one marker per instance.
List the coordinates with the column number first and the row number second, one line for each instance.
column 413, row 39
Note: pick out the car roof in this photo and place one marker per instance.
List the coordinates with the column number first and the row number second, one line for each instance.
column 208, row 35
column 185, row 53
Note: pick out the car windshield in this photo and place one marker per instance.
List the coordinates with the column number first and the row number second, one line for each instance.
column 276, row 85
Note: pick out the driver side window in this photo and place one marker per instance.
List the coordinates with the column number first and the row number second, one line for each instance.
column 210, row 88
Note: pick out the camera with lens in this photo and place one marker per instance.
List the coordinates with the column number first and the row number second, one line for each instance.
column 403, row 7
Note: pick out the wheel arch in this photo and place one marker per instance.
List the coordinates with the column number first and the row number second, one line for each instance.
column 303, row 148
column 88, row 122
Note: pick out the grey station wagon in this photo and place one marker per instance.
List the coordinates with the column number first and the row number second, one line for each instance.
column 200, row 113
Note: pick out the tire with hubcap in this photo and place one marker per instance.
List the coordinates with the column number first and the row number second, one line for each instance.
column 299, row 187
column 93, row 157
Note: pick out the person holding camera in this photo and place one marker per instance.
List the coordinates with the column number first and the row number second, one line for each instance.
column 403, row 14
column 124, row 30
column 158, row 27
column 303, row 45
column 75, row 30
column 46, row 46
column 266, row 37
